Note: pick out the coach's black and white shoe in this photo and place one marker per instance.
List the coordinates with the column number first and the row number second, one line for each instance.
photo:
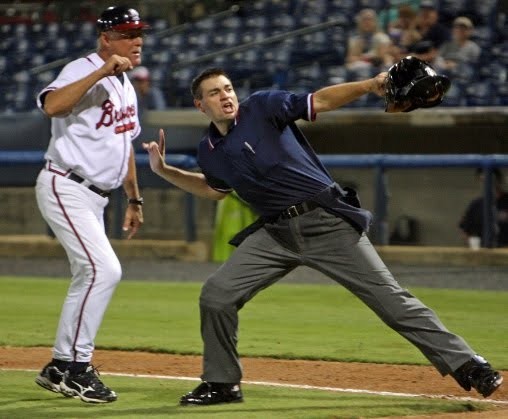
column 50, row 378
column 87, row 386
column 213, row 393
column 478, row 374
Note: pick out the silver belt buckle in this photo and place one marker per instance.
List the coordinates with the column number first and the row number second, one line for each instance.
column 292, row 211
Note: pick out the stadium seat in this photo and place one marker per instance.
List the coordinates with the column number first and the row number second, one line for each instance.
column 480, row 93
column 29, row 46
column 372, row 4
column 450, row 9
column 336, row 74
column 483, row 36
column 502, row 95
column 485, row 11
column 225, row 39
column 256, row 22
column 455, row 95
column 346, row 8
column 283, row 22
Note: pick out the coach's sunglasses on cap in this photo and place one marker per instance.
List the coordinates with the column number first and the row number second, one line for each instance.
column 130, row 34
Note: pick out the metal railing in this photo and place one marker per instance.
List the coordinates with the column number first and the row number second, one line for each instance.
column 381, row 163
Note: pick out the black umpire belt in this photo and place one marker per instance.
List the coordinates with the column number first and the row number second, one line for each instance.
column 298, row 209
column 93, row 188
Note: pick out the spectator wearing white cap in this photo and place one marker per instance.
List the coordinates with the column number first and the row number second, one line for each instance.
column 150, row 97
column 460, row 49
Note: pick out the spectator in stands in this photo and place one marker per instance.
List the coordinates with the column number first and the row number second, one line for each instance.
column 402, row 31
column 428, row 24
column 426, row 51
column 471, row 223
column 460, row 49
column 368, row 45
column 390, row 13
column 150, row 97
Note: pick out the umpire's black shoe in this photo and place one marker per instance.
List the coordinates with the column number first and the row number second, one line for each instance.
column 213, row 393
column 478, row 374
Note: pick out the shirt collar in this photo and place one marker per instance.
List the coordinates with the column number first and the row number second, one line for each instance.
column 214, row 136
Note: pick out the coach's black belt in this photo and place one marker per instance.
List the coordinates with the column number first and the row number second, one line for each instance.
column 298, row 209
column 54, row 168
column 93, row 188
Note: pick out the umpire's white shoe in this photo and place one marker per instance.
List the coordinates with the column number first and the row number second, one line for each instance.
column 87, row 386
column 50, row 378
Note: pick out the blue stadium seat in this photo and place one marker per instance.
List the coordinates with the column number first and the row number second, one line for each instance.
column 335, row 74
column 464, row 73
column 3, row 64
column 311, row 12
column 495, row 71
column 502, row 95
column 284, row 22
column 346, row 8
column 175, row 42
column 450, row 9
column 256, row 22
column 484, row 36
column 251, row 36
column 310, row 19
column 455, row 95
column 230, row 22
column 225, row 39
column 158, row 24
column 371, row 4
column 485, row 11
column 199, row 41
column 480, row 93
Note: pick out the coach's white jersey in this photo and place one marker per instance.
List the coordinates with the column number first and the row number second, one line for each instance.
column 94, row 140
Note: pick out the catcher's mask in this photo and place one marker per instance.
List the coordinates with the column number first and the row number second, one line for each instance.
column 412, row 84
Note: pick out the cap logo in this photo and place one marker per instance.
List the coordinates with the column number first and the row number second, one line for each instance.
column 430, row 71
column 134, row 15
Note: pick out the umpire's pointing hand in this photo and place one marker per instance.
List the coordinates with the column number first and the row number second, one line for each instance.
column 156, row 152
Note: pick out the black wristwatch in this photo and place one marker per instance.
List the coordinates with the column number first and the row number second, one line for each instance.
column 135, row 201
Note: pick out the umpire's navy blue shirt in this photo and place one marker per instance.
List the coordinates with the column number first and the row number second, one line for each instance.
column 267, row 161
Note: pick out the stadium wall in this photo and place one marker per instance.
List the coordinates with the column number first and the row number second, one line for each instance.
column 433, row 197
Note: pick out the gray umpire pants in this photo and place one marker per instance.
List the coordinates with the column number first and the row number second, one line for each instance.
column 332, row 246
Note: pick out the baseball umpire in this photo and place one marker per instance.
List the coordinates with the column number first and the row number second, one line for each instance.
column 93, row 110
column 256, row 149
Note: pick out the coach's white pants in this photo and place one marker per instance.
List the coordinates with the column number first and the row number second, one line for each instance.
column 75, row 214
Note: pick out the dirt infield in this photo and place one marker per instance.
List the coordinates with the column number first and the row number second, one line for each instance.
column 375, row 377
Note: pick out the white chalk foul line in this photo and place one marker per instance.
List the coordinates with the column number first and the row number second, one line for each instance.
column 304, row 387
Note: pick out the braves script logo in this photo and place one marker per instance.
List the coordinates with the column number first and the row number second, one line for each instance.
column 110, row 115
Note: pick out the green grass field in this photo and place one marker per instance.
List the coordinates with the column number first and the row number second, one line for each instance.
column 285, row 321
column 156, row 398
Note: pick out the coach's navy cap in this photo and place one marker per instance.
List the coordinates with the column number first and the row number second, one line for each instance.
column 120, row 18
